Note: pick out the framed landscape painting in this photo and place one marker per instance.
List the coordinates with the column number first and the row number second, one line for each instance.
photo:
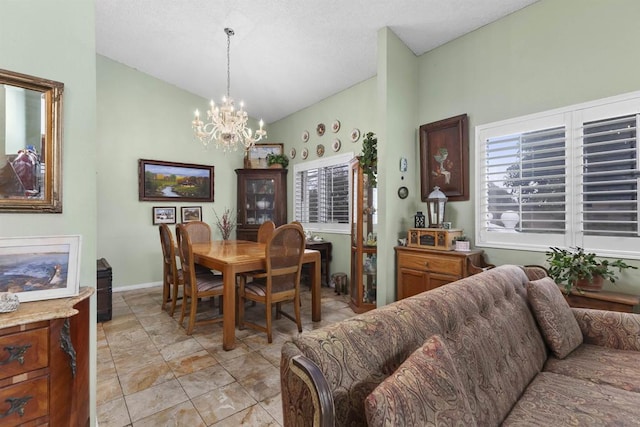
column 179, row 182
column 39, row 268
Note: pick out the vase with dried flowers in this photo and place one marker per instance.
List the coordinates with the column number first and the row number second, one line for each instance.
column 226, row 223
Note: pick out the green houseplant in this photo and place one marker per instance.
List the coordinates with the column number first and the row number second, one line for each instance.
column 574, row 267
column 277, row 159
column 369, row 158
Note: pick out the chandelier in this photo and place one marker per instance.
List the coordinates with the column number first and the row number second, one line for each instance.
column 226, row 125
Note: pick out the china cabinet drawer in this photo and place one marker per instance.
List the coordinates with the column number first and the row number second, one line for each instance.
column 24, row 402
column 23, row 352
column 434, row 263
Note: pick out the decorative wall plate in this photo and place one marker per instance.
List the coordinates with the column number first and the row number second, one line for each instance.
column 336, row 144
column 292, row 153
column 403, row 192
column 305, row 136
column 320, row 129
column 335, row 126
column 320, row 150
column 305, row 153
column 355, row 135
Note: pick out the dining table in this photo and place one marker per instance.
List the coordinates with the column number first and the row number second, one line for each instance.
column 239, row 256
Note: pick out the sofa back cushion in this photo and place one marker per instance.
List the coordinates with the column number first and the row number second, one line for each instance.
column 424, row 390
column 559, row 327
column 484, row 319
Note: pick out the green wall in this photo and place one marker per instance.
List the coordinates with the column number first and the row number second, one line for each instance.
column 548, row 55
column 56, row 40
column 355, row 107
column 140, row 117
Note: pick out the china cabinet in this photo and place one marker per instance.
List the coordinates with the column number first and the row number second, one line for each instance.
column 262, row 196
column 363, row 241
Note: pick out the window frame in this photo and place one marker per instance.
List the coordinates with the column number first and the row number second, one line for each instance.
column 340, row 159
column 572, row 118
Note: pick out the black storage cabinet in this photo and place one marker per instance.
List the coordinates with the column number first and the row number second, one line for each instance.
column 104, row 290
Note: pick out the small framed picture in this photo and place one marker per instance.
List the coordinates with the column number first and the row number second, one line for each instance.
column 191, row 213
column 164, row 215
column 447, row 225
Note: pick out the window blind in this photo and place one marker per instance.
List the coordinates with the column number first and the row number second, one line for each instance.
column 322, row 195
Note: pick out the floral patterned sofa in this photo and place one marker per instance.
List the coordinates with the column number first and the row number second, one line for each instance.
column 498, row 348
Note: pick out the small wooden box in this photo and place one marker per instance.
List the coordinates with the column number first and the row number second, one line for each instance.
column 433, row 238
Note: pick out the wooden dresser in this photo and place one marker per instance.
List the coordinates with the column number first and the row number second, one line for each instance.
column 420, row 270
column 44, row 359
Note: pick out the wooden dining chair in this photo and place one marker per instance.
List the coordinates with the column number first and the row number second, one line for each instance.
column 199, row 231
column 171, row 275
column 196, row 286
column 280, row 282
column 266, row 231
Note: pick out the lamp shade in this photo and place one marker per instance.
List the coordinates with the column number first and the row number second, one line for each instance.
column 436, row 203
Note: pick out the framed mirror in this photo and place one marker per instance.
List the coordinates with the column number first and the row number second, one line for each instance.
column 30, row 143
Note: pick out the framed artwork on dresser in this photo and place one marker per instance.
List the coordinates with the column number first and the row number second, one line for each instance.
column 40, row 268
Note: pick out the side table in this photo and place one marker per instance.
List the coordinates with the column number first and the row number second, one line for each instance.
column 324, row 248
column 603, row 300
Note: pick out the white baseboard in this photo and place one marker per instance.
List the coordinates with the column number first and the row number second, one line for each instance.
column 138, row 286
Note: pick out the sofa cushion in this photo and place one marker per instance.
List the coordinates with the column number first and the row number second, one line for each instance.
column 554, row 400
column 424, row 390
column 559, row 328
column 603, row 365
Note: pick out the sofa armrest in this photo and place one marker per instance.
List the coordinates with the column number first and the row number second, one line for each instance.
column 306, row 397
column 609, row 328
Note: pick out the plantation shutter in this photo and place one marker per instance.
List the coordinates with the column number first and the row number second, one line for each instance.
column 322, row 195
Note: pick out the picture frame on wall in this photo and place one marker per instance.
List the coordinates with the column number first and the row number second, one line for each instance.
column 444, row 158
column 40, row 268
column 257, row 155
column 178, row 182
column 191, row 213
column 164, row 215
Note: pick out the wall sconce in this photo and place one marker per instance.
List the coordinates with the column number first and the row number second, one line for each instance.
column 436, row 203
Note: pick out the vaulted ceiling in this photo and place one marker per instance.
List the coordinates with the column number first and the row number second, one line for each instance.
column 285, row 54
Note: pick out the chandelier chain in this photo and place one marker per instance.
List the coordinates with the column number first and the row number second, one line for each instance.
column 229, row 34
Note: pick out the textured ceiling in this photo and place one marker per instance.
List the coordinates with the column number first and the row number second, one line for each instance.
column 286, row 54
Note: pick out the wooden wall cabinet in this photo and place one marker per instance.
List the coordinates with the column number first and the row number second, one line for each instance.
column 262, row 196
column 363, row 283
column 420, row 270
column 44, row 379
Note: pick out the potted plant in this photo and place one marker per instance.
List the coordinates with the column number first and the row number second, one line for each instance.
column 574, row 267
column 369, row 158
column 277, row 160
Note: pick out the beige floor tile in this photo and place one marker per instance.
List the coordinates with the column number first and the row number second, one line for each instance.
column 254, row 416
column 205, row 380
column 146, row 376
column 108, row 390
column 113, row 414
column 170, row 378
column 273, row 405
column 181, row 415
column 262, row 384
column 192, row 362
column 222, row 402
column 155, row 399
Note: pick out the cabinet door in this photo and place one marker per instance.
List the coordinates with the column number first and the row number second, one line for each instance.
column 411, row 282
column 260, row 200
column 436, row 280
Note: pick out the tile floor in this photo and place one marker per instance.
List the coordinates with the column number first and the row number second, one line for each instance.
column 150, row 373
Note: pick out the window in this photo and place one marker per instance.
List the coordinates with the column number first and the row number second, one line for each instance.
column 322, row 194
column 567, row 177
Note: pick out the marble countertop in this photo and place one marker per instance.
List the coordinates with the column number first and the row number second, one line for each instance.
column 37, row 311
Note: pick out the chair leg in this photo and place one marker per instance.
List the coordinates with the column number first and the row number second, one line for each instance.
column 269, row 308
column 184, row 306
column 192, row 315
column 278, row 310
column 296, row 309
column 165, row 293
column 240, row 301
column 174, row 298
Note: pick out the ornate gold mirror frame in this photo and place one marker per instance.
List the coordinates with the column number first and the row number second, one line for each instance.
column 30, row 143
